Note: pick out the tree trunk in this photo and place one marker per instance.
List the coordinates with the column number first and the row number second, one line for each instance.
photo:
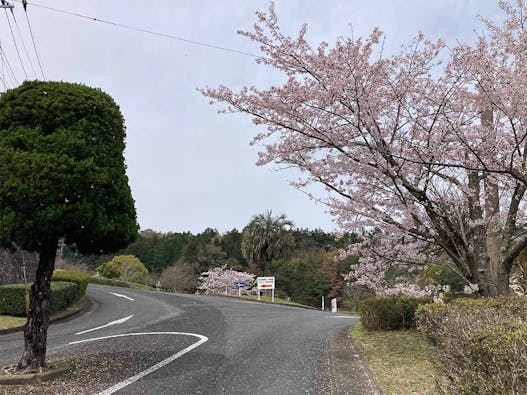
column 502, row 284
column 36, row 327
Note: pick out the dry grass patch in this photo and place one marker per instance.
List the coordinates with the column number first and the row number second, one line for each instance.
column 268, row 299
column 401, row 360
column 7, row 321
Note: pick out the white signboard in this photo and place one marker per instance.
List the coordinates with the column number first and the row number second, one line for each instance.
column 265, row 283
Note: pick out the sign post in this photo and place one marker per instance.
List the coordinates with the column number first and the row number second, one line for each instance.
column 265, row 283
column 240, row 285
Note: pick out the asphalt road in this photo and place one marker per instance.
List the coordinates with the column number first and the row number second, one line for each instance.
column 166, row 343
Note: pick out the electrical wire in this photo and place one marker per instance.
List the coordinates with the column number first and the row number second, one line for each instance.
column 33, row 40
column 9, row 68
column 2, row 69
column 24, row 46
column 203, row 44
column 14, row 41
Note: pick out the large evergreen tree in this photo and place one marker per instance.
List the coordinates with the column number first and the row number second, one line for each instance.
column 62, row 175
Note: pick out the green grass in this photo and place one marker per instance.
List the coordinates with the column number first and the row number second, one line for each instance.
column 7, row 321
column 267, row 298
column 399, row 359
column 118, row 283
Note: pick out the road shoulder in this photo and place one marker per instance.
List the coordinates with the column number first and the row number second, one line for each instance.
column 348, row 371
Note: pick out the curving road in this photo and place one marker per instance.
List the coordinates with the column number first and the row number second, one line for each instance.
column 141, row 342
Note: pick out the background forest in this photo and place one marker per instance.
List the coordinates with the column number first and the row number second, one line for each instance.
column 304, row 273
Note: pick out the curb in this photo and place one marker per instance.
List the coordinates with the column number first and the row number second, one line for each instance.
column 34, row 378
column 85, row 306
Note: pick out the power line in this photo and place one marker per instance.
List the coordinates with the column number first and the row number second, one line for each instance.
column 2, row 71
column 14, row 41
column 139, row 29
column 24, row 46
column 9, row 68
column 24, row 3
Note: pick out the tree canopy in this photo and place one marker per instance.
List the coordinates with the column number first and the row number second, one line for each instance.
column 62, row 176
column 266, row 238
column 62, row 171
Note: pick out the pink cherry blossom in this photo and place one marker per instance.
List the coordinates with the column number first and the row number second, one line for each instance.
column 432, row 153
column 220, row 280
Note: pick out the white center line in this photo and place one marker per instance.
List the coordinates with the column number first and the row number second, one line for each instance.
column 120, row 321
column 122, row 296
column 159, row 365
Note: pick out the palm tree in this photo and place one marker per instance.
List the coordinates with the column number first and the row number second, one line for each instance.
column 267, row 238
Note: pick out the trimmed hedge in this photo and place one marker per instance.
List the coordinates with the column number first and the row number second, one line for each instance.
column 109, row 281
column 63, row 294
column 117, row 283
column 79, row 278
column 482, row 344
column 392, row 312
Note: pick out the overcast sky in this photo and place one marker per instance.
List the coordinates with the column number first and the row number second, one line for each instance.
column 189, row 167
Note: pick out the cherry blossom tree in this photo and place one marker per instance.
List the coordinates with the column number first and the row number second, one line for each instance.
column 220, row 280
column 430, row 152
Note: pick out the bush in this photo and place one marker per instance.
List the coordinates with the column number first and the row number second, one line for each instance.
column 125, row 268
column 179, row 278
column 12, row 299
column 482, row 344
column 354, row 293
column 392, row 312
column 63, row 294
column 79, row 278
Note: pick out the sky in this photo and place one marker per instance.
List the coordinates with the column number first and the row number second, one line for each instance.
column 189, row 167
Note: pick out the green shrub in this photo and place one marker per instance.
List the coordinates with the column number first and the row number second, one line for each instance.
column 12, row 299
column 63, row 294
column 79, row 278
column 124, row 267
column 429, row 318
column 482, row 344
column 392, row 312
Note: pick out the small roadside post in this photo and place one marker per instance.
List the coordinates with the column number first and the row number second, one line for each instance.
column 240, row 285
column 334, row 305
column 265, row 283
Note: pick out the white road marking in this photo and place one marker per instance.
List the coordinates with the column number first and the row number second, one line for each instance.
column 345, row 316
column 120, row 321
column 122, row 296
column 159, row 365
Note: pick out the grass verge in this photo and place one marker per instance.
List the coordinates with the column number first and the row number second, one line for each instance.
column 118, row 283
column 267, row 298
column 8, row 321
column 399, row 359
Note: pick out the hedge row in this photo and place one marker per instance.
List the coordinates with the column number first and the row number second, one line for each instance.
column 482, row 344
column 392, row 312
column 79, row 278
column 12, row 302
column 109, row 281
